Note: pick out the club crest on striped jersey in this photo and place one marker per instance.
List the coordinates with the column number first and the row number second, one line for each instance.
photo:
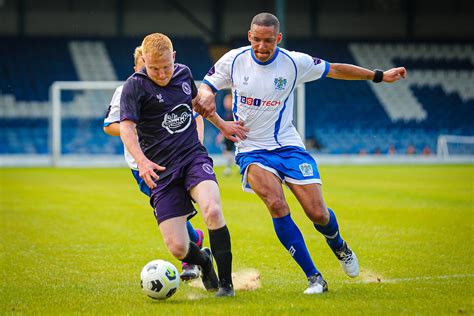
column 280, row 84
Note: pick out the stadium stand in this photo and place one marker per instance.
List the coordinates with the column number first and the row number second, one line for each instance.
column 341, row 117
column 32, row 64
column 363, row 117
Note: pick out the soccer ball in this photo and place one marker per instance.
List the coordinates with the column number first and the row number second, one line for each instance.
column 159, row 279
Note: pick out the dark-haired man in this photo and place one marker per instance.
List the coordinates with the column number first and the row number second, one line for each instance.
column 262, row 78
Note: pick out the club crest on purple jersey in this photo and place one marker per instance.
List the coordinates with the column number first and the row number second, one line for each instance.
column 316, row 60
column 178, row 119
column 207, row 168
column 186, row 88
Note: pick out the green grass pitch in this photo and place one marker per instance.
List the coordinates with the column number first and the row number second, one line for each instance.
column 75, row 240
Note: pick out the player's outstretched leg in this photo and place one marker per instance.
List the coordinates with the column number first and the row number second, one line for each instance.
column 347, row 258
column 179, row 245
column 207, row 195
column 291, row 238
column 221, row 250
column 191, row 271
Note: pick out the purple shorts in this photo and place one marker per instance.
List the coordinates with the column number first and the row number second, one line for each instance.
column 171, row 198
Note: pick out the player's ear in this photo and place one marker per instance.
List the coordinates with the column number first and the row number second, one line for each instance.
column 249, row 35
column 279, row 37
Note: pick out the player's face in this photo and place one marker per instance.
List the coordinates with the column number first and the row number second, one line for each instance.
column 264, row 40
column 160, row 69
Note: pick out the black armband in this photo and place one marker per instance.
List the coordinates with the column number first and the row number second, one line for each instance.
column 378, row 76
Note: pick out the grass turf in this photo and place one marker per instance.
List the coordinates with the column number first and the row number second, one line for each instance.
column 75, row 240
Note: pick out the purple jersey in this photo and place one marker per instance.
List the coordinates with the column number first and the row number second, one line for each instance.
column 164, row 117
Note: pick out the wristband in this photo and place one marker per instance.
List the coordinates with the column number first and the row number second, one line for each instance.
column 378, row 76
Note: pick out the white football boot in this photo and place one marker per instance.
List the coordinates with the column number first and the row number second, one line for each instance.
column 348, row 260
column 316, row 285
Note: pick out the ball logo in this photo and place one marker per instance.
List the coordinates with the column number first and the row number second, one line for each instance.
column 207, row 168
column 178, row 119
column 155, row 285
column 186, row 88
column 170, row 274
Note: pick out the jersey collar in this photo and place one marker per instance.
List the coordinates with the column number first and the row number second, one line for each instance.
column 263, row 63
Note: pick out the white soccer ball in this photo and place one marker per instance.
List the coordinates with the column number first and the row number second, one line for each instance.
column 159, row 279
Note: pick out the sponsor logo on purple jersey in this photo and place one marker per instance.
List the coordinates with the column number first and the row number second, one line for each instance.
column 178, row 119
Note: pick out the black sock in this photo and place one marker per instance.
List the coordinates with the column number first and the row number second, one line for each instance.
column 195, row 256
column 221, row 250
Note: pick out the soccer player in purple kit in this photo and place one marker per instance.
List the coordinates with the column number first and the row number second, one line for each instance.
column 156, row 105
column 112, row 128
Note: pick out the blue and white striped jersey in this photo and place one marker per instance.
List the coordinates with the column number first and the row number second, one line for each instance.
column 263, row 93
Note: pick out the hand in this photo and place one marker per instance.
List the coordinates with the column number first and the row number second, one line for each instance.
column 394, row 74
column 205, row 103
column 234, row 131
column 147, row 172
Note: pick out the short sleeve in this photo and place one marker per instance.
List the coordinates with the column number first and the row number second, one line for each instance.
column 219, row 76
column 194, row 90
column 130, row 101
column 310, row 68
column 113, row 112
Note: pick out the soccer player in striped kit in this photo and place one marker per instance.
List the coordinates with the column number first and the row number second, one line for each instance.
column 262, row 78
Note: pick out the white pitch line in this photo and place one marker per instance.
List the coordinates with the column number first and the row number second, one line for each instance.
column 400, row 280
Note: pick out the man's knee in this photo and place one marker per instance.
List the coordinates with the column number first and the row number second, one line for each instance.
column 277, row 205
column 320, row 215
column 212, row 214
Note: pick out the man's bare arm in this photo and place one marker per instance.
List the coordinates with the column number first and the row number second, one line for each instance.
column 205, row 102
column 234, row 131
column 352, row 72
column 200, row 128
column 112, row 129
